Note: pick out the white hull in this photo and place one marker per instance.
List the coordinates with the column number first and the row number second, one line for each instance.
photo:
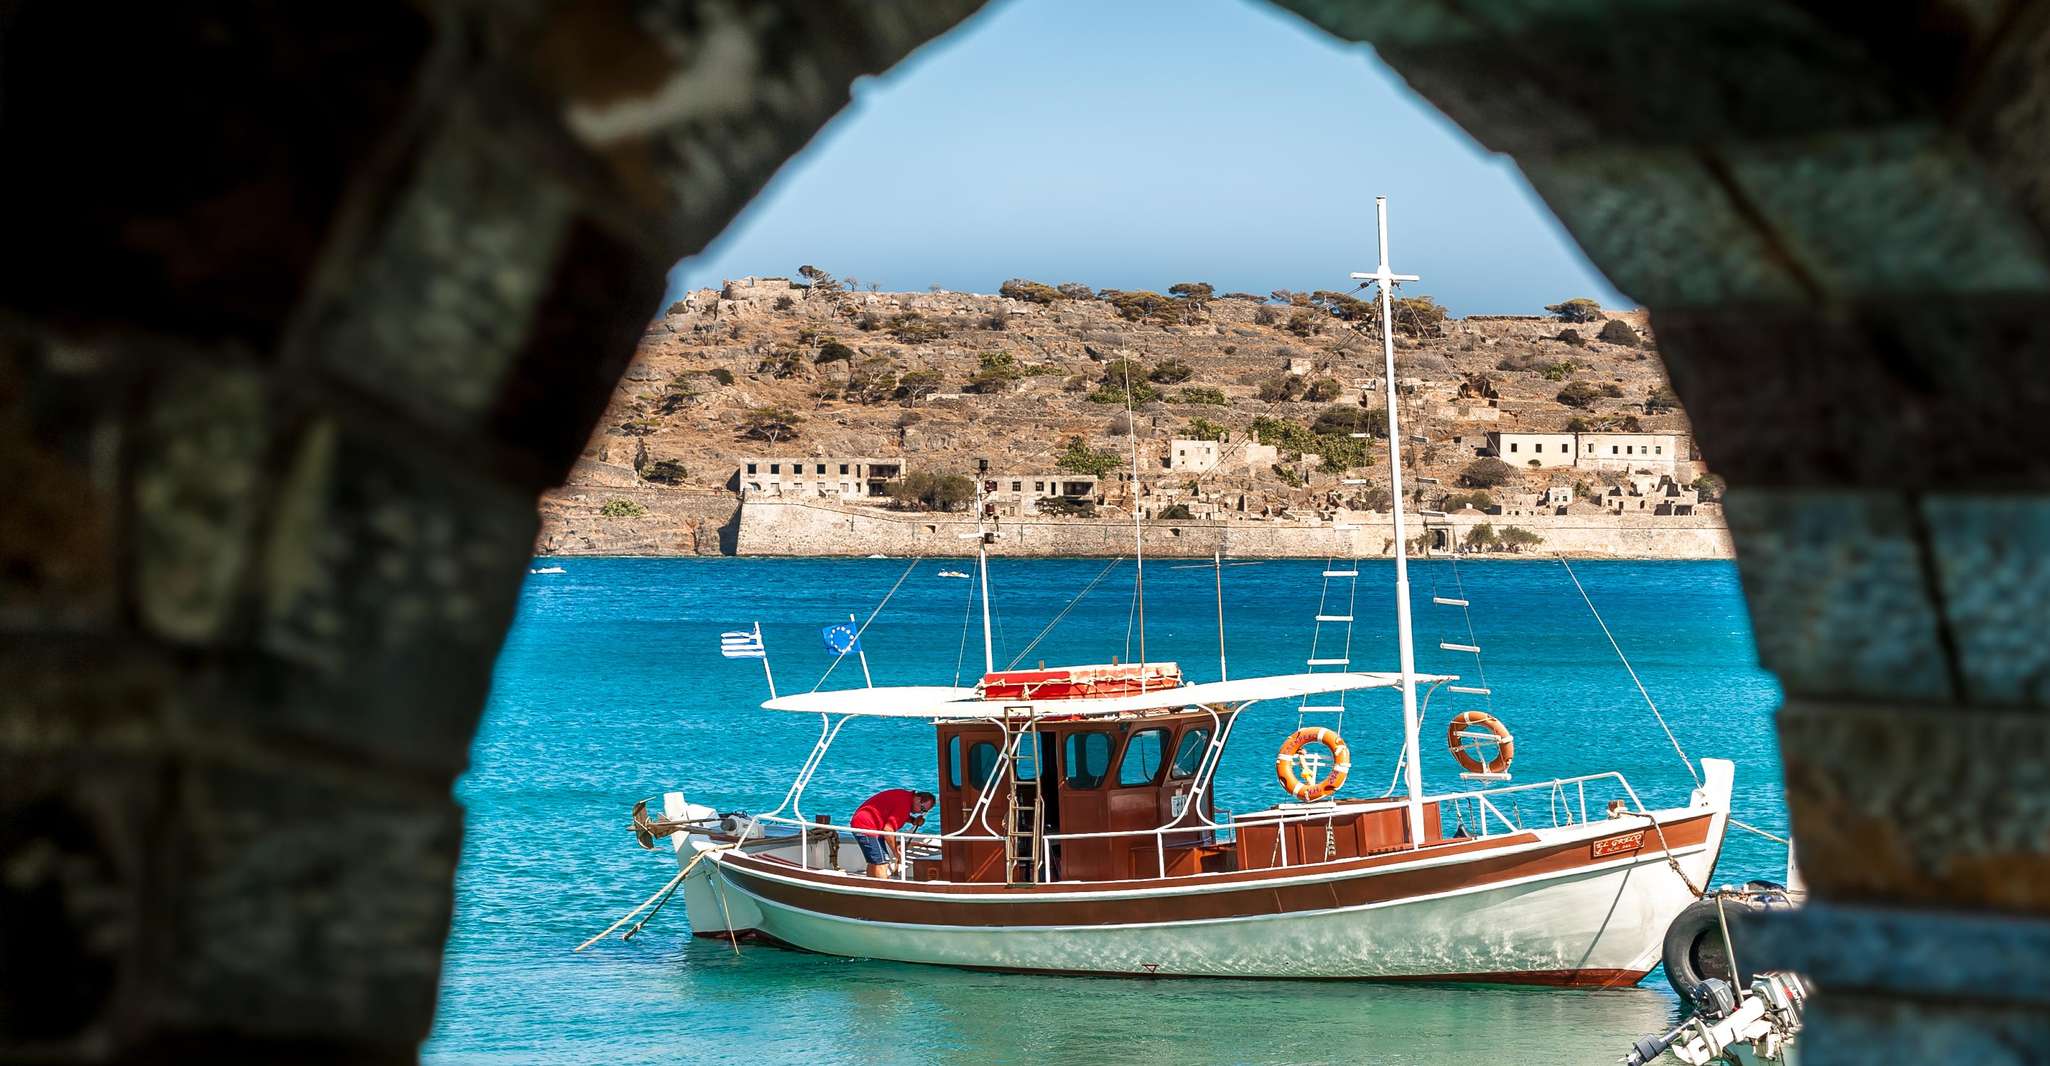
column 1594, row 924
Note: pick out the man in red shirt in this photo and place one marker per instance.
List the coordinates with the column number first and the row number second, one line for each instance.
column 887, row 811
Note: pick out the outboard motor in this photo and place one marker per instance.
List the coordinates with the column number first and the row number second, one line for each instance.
column 1765, row 1014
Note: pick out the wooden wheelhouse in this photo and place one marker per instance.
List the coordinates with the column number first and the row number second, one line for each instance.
column 1129, row 774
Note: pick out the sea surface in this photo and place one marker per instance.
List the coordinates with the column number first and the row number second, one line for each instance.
column 611, row 688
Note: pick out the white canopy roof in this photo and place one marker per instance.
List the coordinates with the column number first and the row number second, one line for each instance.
column 940, row 701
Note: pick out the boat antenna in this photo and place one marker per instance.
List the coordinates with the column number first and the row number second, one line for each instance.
column 1138, row 534
column 1217, row 562
column 1387, row 279
column 983, row 536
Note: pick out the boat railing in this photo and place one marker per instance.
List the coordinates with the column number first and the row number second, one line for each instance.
column 1566, row 805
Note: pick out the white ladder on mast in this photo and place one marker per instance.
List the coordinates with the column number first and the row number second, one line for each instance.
column 1334, row 620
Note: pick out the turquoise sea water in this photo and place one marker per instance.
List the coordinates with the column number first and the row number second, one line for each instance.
column 611, row 688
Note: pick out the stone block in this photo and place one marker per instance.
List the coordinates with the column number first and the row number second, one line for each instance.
column 387, row 583
column 1903, row 951
column 439, row 305
column 1664, row 228
column 1940, row 396
column 61, row 406
column 1992, row 554
column 1890, row 210
column 1544, row 76
column 1839, row 601
column 1843, row 1029
column 303, row 904
column 583, row 330
column 82, row 775
column 199, row 482
column 1893, row 803
column 2007, row 120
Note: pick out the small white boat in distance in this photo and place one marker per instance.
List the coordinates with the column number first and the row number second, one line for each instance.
column 548, row 570
column 952, row 573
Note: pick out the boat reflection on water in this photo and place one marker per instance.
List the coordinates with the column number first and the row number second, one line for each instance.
column 854, row 1010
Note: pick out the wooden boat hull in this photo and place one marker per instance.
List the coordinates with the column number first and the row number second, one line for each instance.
column 1583, row 906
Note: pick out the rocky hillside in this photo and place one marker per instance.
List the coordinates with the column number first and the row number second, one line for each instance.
column 766, row 368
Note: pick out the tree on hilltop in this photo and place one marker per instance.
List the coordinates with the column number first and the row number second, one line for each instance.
column 772, row 424
column 819, row 279
column 1486, row 473
column 1029, row 291
column 1580, row 394
column 1077, row 457
column 1578, row 309
column 1418, row 316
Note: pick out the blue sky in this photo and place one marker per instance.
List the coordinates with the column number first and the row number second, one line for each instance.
column 1140, row 143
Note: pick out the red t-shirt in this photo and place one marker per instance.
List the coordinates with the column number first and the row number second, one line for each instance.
column 886, row 810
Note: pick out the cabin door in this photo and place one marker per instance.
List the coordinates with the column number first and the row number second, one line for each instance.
column 968, row 759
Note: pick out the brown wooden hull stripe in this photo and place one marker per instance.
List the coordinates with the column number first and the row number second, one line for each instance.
column 1352, row 886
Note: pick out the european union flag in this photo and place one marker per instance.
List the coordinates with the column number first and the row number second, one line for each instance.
column 842, row 639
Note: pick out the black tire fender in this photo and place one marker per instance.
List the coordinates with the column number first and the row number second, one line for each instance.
column 1694, row 948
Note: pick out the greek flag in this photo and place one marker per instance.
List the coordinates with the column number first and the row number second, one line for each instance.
column 745, row 644
column 842, row 639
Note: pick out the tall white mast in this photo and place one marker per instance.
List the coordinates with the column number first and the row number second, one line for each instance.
column 1413, row 774
column 982, row 538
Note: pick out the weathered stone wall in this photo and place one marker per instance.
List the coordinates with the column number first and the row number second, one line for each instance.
column 301, row 307
column 1839, row 217
column 778, row 527
column 676, row 523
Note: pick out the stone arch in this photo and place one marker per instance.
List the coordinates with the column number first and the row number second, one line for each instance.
column 302, row 306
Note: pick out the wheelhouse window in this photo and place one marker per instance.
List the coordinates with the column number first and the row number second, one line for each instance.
column 1144, row 755
column 982, row 758
column 1086, row 759
column 1188, row 755
column 954, row 761
column 1025, row 764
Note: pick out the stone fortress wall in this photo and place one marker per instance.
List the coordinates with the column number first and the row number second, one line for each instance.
column 808, row 528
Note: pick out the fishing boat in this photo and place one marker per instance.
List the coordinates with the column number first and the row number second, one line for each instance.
column 1079, row 829
column 954, row 573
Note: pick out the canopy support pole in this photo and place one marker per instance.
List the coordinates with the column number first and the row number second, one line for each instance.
column 766, row 675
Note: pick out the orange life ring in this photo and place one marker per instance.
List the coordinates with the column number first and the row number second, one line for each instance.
column 1285, row 763
column 1465, row 749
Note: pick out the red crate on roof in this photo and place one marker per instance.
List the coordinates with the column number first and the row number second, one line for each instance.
column 1099, row 681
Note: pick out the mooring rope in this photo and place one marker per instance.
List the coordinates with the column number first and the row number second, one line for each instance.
column 1648, row 702
column 1761, row 832
column 660, row 894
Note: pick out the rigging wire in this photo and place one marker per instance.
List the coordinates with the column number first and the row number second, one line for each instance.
column 1072, row 603
column 1684, row 760
column 865, row 622
column 967, row 614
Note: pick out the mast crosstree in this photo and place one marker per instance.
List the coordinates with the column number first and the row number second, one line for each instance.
column 1386, row 279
